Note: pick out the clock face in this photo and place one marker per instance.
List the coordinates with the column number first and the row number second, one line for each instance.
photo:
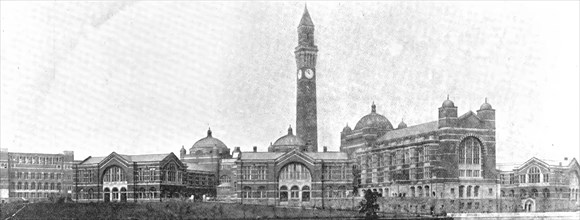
column 309, row 73
column 299, row 74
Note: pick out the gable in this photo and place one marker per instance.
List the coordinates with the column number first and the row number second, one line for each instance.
column 533, row 162
column 470, row 120
column 114, row 159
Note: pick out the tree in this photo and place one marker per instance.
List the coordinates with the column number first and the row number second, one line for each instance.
column 369, row 205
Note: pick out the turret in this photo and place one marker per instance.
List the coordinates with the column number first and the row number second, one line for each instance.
column 182, row 152
column 487, row 114
column 447, row 114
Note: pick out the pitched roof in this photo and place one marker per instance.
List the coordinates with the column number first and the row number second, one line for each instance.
column 146, row 157
column 328, row 155
column 130, row 158
column 201, row 167
column 409, row 131
column 261, row 155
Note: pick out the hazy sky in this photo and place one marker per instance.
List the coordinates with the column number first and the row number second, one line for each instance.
column 149, row 77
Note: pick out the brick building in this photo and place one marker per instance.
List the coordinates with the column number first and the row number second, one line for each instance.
column 35, row 176
column 540, row 185
column 122, row 178
column 451, row 159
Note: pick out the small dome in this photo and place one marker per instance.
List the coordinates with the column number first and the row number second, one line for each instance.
column 289, row 140
column 207, row 143
column 374, row 120
column 346, row 129
column 402, row 125
column 485, row 106
column 448, row 103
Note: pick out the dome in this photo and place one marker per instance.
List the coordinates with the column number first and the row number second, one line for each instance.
column 289, row 140
column 207, row 143
column 346, row 129
column 448, row 103
column 485, row 106
column 402, row 125
column 374, row 120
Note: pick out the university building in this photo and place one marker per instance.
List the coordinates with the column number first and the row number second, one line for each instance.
column 540, row 185
column 447, row 164
column 35, row 176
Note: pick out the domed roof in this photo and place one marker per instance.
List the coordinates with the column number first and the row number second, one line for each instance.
column 485, row 106
column 207, row 142
column 289, row 140
column 402, row 125
column 374, row 120
column 346, row 129
column 448, row 103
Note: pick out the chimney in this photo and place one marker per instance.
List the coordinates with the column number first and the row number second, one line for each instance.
column 566, row 158
column 255, row 149
column 325, row 148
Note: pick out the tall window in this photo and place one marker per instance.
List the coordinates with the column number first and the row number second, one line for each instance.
column 534, row 175
column 295, row 171
column 469, row 151
column 114, row 174
column 469, row 158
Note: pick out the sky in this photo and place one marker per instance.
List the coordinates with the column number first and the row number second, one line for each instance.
column 150, row 77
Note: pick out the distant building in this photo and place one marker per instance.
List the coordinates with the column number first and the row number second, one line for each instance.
column 540, row 185
column 35, row 176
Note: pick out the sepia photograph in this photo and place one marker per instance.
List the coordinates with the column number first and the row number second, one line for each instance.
column 289, row 110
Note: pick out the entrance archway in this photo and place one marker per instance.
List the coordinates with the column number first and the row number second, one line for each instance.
column 295, row 184
column 529, row 205
column 107, row 195
column 123, row 194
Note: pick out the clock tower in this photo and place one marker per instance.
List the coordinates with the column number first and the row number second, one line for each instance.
column 306, row 124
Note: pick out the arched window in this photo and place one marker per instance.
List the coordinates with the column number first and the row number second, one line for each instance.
column 51, row 186
column 342, row 191
column 420, row 191
column 305, row 193
column 114, row 174
column 534, row 193
column 534, row 175
column 46, row 185
column 295, row 171
column 294, row 192
column 90, row 194
column 25, row 185
column 247, row 192
column 476, row 191
column 225, row 179
column 33, row 186
column 19, row 185
column 468, row 191
column 427, row 191
column 261, row 193
column 469, row 153
column 283, row 193
column 412, row 191
column 170, row 172
column 546, row 193
column 39, row 186
column 328, row 191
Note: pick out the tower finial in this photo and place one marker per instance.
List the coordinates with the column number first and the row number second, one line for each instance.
column 289, row 129
column 373, row 107
column 209, row 131
column 485, row 99
column 447, row 96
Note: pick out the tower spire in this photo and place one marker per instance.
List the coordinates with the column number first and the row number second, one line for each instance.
column 373, row 107
column 306, row 20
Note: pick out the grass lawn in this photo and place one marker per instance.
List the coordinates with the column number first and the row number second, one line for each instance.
column 165, row 210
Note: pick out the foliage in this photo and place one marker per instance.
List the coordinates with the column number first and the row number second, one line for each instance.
column 369, row 205
column 171, row 209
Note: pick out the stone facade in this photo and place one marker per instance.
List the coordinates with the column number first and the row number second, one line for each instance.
column 35, row 176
